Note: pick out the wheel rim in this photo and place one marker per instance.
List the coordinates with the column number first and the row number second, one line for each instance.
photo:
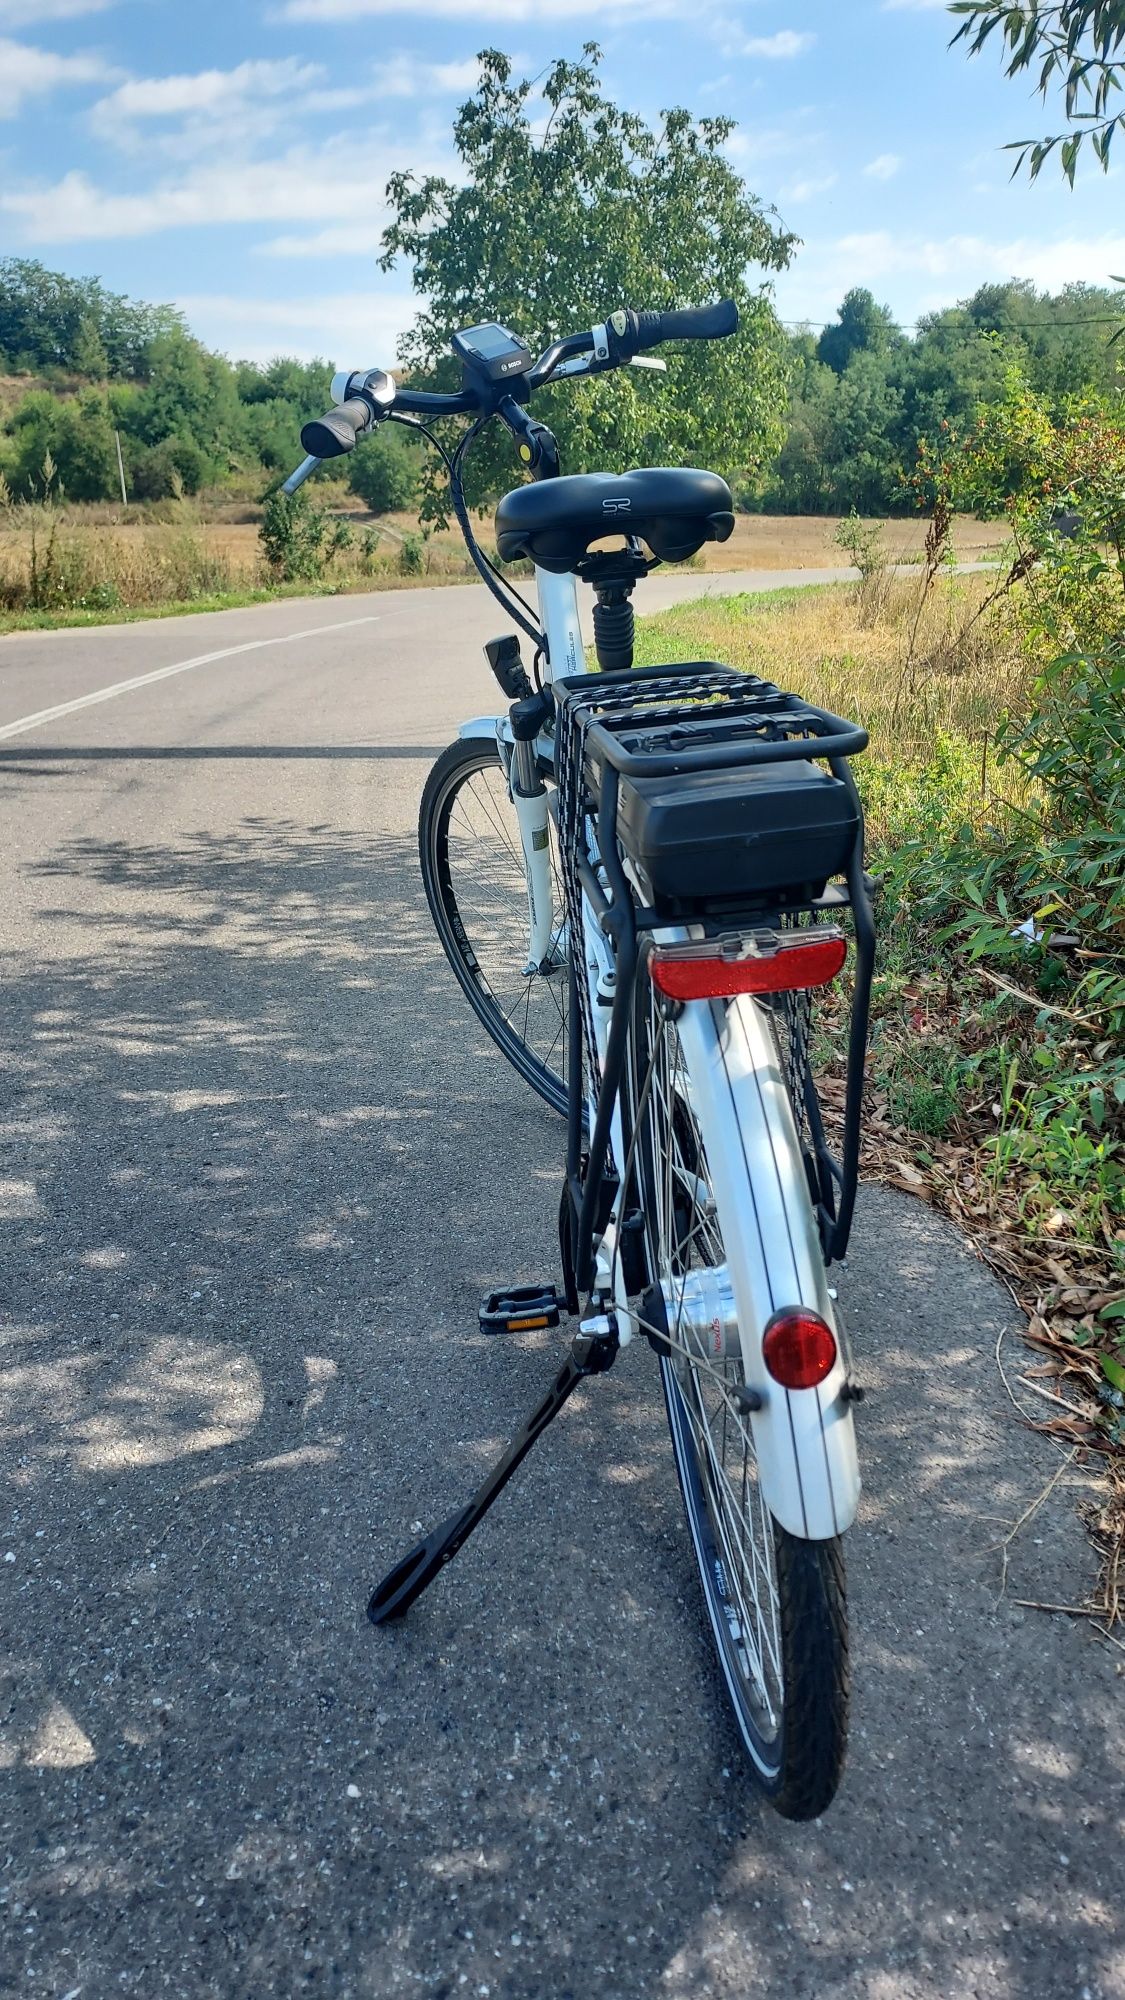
column 478, row 867
column 732, row 1528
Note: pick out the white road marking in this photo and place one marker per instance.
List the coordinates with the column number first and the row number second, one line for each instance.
column 26, row 722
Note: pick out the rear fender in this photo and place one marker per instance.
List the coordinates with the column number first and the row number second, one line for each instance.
column 805, row 1438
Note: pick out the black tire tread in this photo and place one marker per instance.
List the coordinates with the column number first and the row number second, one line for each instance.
column 814, row 1638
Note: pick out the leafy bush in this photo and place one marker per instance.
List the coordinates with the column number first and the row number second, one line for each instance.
column 164, row 471
column 293, row 536
column 385, row 471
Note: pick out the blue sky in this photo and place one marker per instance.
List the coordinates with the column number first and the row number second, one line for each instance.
column 232, row 157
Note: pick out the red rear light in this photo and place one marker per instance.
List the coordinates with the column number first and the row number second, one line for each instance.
column 798, row 1348
column 764, row 962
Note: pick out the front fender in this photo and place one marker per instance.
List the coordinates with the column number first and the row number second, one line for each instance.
column 496, row 728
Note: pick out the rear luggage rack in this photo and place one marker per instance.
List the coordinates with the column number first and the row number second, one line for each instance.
column 664, row 721
column 722, row 803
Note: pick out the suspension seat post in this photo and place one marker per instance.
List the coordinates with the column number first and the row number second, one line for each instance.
column 614, row 626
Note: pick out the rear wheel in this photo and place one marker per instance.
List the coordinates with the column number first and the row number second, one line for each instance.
column 473, row 872
column 776, row 1604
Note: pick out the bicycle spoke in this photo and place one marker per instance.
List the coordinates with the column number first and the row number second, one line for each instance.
column 480, row 867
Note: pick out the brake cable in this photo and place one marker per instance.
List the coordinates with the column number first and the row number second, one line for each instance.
column 504, row 592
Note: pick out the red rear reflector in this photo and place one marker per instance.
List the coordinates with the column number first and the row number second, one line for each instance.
column 798, row 1348
column 683, row 972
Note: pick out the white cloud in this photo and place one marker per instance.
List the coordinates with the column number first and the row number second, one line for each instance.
column 771, row 142
column 809, row 188
column 353, row 329
column 406, row 76
column 236, row 111
column 209, row 90
column 477, row 10
column 972, row 260
column 779, row 47
column 883, row 167
column 28, row 72
column 25, row 13
column 921, row 273
column 341, row 179
column 335, row 241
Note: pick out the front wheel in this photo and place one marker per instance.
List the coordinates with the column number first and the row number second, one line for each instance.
column 475, row 882
column 776, row 1603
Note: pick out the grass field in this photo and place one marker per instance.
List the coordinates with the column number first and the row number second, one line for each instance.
column 94, row 564
column 759, row 541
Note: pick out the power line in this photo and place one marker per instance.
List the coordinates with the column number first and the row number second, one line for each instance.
column 918, row 325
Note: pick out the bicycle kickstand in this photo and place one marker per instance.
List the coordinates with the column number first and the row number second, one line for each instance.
column 593, row 1351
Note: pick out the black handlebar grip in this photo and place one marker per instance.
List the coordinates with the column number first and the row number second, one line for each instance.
column 333, row 435
column 687, row 323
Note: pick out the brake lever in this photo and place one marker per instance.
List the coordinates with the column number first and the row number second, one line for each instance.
column 649, row 361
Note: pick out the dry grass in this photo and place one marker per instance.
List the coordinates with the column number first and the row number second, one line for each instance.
column 805, row 541
column 212, row 545
column 829, row 646
column 89, row 561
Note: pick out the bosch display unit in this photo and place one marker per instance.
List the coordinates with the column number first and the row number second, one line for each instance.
column 492, row 352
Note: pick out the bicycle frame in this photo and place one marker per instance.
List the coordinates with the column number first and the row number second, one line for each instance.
column 804, row 1439
column 565, row 654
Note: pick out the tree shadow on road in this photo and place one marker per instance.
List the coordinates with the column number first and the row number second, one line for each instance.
column 259, row 1164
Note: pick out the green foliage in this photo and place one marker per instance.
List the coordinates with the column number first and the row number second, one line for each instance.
column 553, row 223
column 165, row 471
column 862, row 541
column 78, row 438
column 386, row 470
column 412, row 556
column 923, row 1080
column 862, row 327
column 1077, row 46
column 854, row 428
column 1048, row 862
column 49, row 320
column 295, row 537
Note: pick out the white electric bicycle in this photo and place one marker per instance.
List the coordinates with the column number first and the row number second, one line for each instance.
column 641, row 878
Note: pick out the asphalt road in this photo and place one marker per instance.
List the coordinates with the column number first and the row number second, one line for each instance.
column 256, row 1167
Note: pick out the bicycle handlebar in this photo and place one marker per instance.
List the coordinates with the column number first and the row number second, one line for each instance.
column 612, row 345
column 687, row 323
column 332, row 435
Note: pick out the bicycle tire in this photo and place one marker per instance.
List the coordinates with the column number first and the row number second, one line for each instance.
column 478, row 903
column 788, row 1679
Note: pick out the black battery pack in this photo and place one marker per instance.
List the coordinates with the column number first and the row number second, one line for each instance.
column 771, row 834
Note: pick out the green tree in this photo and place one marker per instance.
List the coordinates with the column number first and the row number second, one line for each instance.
column 863, row 439
column 88, row 356
column 192, row 395
column 556, row 221
column 78, row 435
column 801, row 479
column 862, row 328
column 1078, row 47
column 176, row 465
column 386, row 471
column 51, row 320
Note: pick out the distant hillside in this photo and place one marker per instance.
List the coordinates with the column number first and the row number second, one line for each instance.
column 79, row 363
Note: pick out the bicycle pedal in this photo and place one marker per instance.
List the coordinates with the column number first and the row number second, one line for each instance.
column 520, row 1309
